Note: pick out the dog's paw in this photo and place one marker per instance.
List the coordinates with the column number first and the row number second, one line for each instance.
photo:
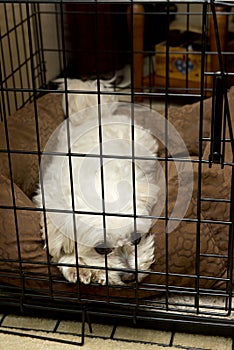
column 99, row 277
column 70, row 273
column 102, row 281
column 85, row 275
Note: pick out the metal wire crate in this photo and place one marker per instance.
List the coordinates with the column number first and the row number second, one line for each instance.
column 189, row 62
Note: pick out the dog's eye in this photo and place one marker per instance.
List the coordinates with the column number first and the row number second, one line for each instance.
column 102, row 249
column 135, row 238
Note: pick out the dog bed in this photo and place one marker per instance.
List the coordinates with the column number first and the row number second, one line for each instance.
column 25, row 264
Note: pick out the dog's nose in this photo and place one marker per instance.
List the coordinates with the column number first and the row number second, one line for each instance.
column 128, row 277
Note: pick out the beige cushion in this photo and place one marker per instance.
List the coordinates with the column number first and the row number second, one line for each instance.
column 181, row 243
column 22, row 135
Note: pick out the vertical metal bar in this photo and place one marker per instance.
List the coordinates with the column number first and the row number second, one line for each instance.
column 216, row 155
column 222, row 72
column 231, row 243
column 25, row 53
column 133, row 170
column 30, row 36
column 21, row 271
column 100, row 136
column 4, row 82
column 217, row 37
column 17, row 50
column 131, row 50
column 198, row 226
column 40, row 47
column 89, row 322
column 1, row 110
column 10, row 58
column 223, row 143
column 83, row 326
column 56, row 9
column 187, row 55
column 136, row 21
column 69, row 144
column 167, row 88
column 221, row 93
column 132, row 118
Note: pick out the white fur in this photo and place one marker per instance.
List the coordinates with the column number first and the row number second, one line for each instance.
column 125, row 257
column 78, row 99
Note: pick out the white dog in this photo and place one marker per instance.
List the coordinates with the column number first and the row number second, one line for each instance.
column 98, row 199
